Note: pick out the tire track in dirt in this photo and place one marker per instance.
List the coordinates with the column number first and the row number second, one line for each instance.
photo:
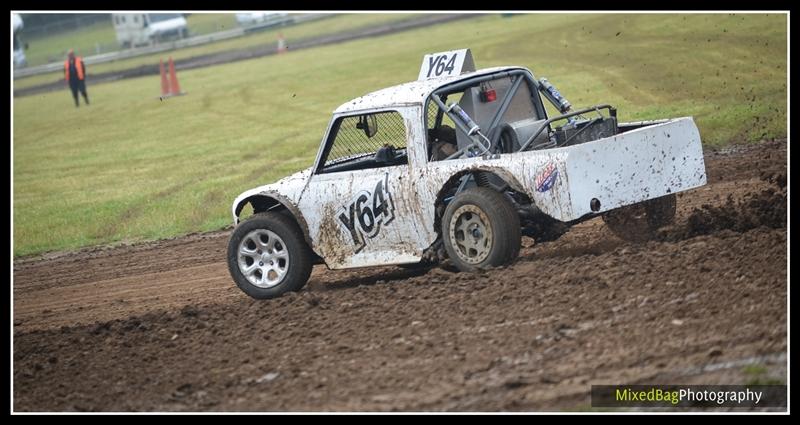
column 586, row 308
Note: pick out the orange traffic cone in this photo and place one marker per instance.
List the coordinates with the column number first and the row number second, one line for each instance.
column 281, row 43
column 169, row 87
column 174, row 88
column 164, row 82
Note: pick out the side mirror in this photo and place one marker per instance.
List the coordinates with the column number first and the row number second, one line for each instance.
column 368, row 124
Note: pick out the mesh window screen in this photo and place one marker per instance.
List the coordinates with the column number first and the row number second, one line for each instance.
column 352, row 140
column 433, row 109
column 446, row 131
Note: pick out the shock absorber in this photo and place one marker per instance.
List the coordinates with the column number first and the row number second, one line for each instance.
column 554, row 96
column 472, row 129
column 482, row 179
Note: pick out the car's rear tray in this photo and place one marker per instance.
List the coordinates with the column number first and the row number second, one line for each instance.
column 640, row 164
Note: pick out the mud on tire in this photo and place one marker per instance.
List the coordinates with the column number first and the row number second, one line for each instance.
column 481, row 229
column 268, row 256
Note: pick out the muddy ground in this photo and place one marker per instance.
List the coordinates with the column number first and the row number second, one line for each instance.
column 161, row 326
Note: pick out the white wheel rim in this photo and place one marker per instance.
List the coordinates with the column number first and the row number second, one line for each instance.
column 263, row 258
column 471, row 234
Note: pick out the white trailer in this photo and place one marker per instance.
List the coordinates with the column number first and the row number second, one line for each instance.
column 20, row 60
column 143, row 29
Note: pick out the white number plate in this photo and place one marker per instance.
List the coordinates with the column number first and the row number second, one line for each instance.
column 445, row 64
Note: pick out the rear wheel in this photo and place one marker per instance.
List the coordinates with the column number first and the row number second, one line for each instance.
column 268, row 256
column 481, row 229
column 639, row 222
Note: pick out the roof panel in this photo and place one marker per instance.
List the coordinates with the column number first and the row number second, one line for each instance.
column 414, row 92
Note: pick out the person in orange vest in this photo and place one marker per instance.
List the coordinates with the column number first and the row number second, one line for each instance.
column 75, row 75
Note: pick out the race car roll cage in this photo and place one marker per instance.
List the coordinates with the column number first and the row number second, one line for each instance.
column 465, row 124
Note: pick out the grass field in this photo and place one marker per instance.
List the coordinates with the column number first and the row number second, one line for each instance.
column 204, row 23
column 53, row 48
column 130, row 167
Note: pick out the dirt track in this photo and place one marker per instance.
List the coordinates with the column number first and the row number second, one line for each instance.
column 161, row 326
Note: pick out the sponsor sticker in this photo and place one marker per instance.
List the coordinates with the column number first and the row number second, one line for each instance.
column 547, row 178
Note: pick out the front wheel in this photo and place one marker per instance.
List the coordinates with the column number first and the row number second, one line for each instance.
column 481, row 229
column 268, row 256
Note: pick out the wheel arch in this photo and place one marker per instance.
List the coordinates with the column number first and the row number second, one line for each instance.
column 453, row 181
column 271, row 201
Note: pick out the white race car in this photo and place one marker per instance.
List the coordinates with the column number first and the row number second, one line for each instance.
column 459, row 165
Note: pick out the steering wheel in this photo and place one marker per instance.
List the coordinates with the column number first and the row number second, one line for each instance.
column 385, row 154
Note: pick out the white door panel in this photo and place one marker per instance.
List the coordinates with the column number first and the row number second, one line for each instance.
column 360, row 218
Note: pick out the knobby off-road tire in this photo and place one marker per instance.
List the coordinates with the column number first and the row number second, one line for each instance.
column 481, row 229
column 268, row 256
column 639, row 222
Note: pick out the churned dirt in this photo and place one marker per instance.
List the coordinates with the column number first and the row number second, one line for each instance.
column 161, row 326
